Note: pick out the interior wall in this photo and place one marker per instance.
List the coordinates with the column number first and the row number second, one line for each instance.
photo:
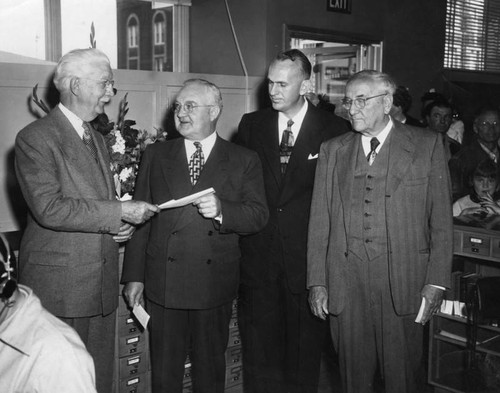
column 412, row 33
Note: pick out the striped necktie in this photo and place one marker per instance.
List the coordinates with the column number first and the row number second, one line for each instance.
column 196, row 163
column 286, row 146
column 373, row 150
column 88, row 141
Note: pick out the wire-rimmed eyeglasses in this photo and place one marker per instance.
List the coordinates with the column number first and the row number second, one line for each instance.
column 188, row 106
column 487, row 124
column 359, row 102
column 105, row 83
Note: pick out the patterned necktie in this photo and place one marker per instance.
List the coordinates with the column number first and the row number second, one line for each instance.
column 196, row 163
column 373, row 147
column 88, row 141
column 286, row 146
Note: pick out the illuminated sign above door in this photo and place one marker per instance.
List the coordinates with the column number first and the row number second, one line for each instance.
column 343, row 6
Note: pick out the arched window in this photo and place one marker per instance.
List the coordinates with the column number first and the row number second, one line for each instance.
column 159, row 28
column 133, row 61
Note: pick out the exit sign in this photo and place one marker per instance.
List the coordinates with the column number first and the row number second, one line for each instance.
column 339, row 6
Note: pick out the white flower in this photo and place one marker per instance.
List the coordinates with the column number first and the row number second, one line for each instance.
column 125, row 174
column 119, row 146
column 126, row 197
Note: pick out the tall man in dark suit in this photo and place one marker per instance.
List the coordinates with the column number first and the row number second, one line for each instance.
column 186, row 260
column 282, row 340
column 380, row 238
column 69, row 250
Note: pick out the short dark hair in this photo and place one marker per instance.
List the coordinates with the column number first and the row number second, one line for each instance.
column 438, row 103
column 486, row 168
column 402, row 98
column 486, row 109
column 296, row 55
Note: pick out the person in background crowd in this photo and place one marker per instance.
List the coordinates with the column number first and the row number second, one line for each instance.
column 486, row 127
column 380, row 239
column 401, row 105
column 483, row 199
column 69, row 250
column 439, row 116
column 186, row 260
column 38, row 352
column 282, row 341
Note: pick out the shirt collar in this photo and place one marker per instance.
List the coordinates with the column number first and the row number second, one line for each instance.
column 297, row 121
column 207, row 145
column 12, row 331
column 382, row 136
column 75, row 121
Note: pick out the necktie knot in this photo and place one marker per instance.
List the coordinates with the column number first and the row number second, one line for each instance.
column 374, row 144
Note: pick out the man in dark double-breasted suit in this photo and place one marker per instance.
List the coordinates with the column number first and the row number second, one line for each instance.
column 69, row 249
column 281, row 339
column 380, row 239
column 187, row 259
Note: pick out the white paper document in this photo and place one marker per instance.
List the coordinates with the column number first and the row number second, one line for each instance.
column 141, row 315
column 420, row 311
column 186, row 200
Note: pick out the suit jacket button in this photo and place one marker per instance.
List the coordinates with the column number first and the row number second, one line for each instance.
column 174, row 233
column 209, row 261
column 279, row 209
column 210, row 233
column 170, row 259
column 104, row 261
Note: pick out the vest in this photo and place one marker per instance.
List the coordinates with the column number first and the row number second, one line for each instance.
column 368, row 232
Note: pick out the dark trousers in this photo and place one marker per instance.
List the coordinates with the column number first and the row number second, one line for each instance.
column 282, row 341
column 369, row 336
column 201, row 333
column 98, row 335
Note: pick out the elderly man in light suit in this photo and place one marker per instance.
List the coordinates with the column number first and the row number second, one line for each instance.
column 380, row 238
column 69, row 250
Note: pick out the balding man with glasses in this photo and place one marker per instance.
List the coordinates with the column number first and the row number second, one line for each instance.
column 186, row 260
column 380, row 239
column 69, row 250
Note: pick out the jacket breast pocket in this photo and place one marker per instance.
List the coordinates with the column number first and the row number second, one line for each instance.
column 416, row 182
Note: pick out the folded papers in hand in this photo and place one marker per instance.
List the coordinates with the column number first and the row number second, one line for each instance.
column 186, row 200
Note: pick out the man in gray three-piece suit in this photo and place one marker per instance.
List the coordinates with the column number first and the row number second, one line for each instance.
column 380, row 238
column 69, row 249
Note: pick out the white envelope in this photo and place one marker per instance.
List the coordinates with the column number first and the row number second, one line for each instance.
column 311, row 157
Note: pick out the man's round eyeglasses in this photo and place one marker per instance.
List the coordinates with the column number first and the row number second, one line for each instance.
column 488, row 124
column 188, row 106
column 105, row 83
column 359, row 102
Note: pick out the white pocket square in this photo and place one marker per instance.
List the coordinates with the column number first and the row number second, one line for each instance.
column 311, row 157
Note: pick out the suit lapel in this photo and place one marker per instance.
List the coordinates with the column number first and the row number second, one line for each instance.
column 401, row 152
column 176, row 175
column 269, row 143
column 76, row 153
column 346, row 166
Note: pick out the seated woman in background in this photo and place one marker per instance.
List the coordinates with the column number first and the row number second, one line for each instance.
column 482, row 201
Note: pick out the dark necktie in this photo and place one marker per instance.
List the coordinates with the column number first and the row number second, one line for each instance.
column 196, row 163
column 373, row 147
column 286, row 146
column 88, row 141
